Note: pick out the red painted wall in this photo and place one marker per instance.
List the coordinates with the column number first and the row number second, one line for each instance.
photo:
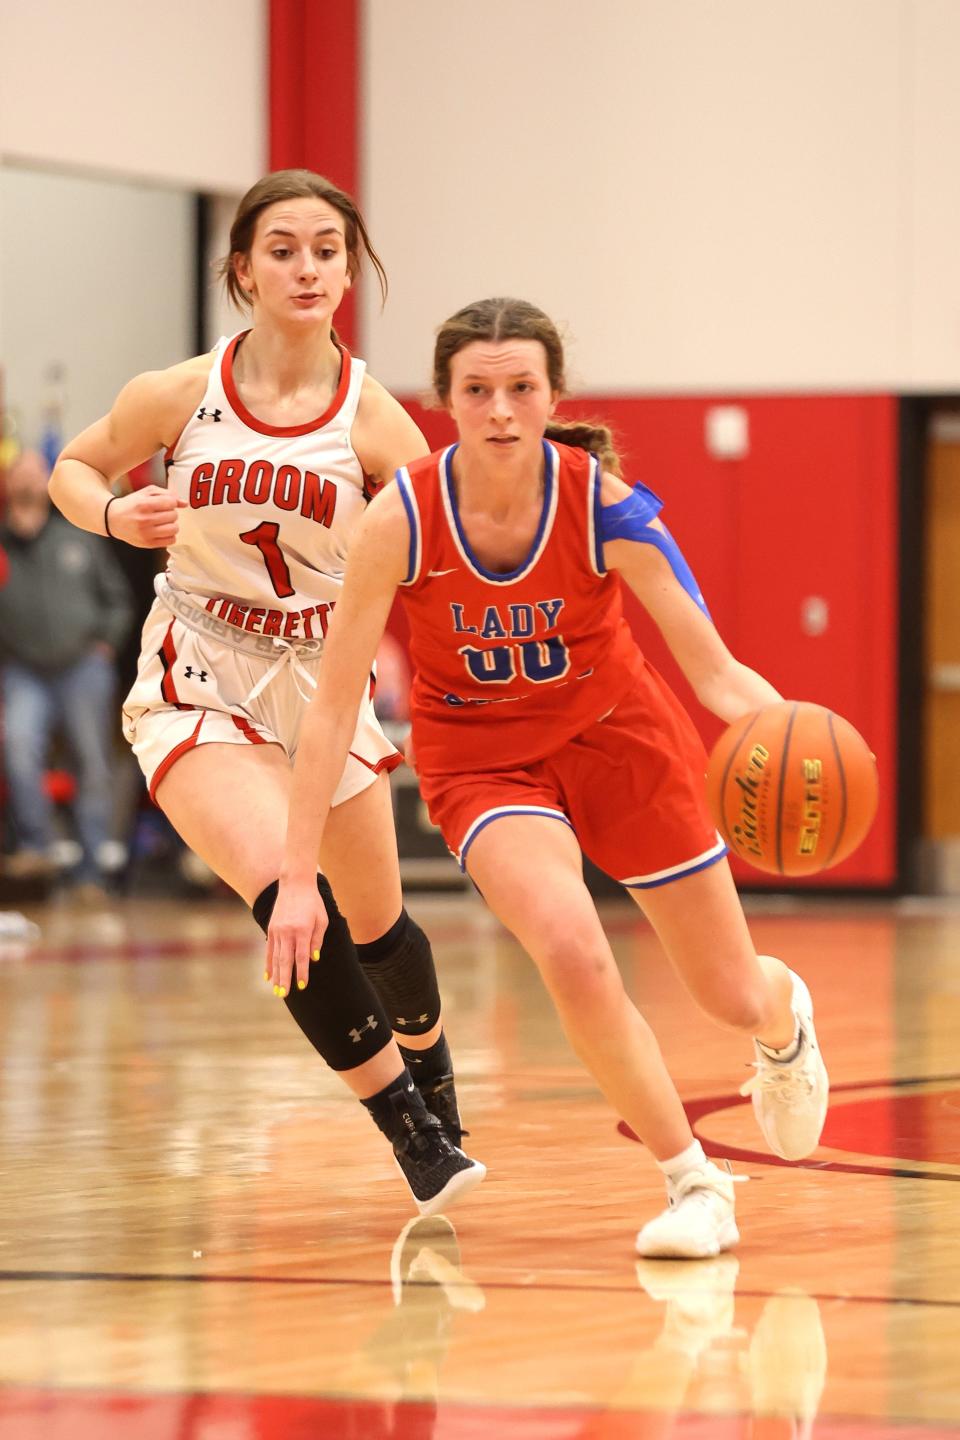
column 810, row 511
column 314, row 107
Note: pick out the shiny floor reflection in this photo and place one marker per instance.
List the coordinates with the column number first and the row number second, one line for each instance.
column 201, row 1238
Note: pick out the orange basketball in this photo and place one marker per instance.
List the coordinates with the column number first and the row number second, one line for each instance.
column 793, row 788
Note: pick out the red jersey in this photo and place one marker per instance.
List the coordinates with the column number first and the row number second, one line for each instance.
column 510, row 666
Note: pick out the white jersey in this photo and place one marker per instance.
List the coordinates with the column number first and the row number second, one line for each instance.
column 270, row 510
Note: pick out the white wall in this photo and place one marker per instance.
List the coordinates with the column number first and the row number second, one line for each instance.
column 709, row 194
column 111, row 114
column 173, row 92
column 746, row 195
column 97, row 276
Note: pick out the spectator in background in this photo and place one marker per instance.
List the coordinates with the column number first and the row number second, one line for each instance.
column 64, row 611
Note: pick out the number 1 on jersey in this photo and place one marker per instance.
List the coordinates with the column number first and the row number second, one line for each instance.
column 264, row 537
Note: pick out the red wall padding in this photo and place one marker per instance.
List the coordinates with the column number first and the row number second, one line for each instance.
column 314, row 107
column 810, row 511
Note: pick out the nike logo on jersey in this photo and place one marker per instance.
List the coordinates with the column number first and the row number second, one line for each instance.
column 434, row 573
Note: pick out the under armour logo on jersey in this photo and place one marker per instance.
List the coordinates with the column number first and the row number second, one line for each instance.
column 420, row 1020
column 200, row 674
column 355, row 1033
column 216, row 414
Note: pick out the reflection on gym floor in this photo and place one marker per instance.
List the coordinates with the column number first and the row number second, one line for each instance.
column 203, row 1239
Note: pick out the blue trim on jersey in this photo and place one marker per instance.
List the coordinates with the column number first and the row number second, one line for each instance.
column 677, row 875
column 498, row 814
column 597, row 521
column 496, row 576
column 412, row 520
column 623, row 520
column 668, row 547
column 630, row 519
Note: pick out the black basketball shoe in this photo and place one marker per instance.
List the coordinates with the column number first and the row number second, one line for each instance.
column 437, row 1171
column 440, row 1098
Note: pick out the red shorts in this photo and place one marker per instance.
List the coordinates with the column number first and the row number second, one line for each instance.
column 631, row 787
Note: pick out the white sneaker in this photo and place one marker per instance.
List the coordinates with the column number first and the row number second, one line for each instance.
column 698, row 1221
column 790, row 1096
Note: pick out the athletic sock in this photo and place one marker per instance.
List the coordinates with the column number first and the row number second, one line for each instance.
column 692, row 1158
column 431, row 1064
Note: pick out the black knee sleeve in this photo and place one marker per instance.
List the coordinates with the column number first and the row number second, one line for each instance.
column 400, row 967
column 339, row 1011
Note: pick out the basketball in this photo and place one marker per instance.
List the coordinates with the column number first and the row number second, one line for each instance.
column 793, row 788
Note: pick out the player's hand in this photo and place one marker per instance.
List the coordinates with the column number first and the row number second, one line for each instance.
column 147, row 518
column 296, row 931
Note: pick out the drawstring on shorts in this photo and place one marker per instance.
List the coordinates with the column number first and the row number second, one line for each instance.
column 287, row 656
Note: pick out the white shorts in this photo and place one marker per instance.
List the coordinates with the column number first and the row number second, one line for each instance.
column 193, row 688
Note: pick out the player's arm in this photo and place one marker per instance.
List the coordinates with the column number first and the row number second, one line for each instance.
column 147, row 416
column 384, row 436
column 379, row 553
column 647, row 557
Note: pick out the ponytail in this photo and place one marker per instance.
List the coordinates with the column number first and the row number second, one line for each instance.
column 587, row 435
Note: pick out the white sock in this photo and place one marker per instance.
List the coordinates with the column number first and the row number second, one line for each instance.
column 789, row 1052
column 692, row 1158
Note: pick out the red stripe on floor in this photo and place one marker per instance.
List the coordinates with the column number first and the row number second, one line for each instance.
column 38, row 1414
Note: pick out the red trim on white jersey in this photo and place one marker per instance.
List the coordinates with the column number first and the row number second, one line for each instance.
column 174, row 756
column 308, row 482
column 242, row 413
column 168, row 656
column 247, row 730
column 388, row 762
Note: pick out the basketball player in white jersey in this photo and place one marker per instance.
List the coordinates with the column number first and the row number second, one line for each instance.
column 274, row 444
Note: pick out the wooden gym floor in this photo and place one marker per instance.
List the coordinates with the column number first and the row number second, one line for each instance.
column 203, row 1238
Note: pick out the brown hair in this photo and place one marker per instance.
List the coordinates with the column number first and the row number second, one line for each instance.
column 502, row 318
column 296, row 185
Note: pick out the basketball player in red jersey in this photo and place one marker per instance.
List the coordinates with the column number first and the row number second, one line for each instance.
column 274, row 444
column 539, row 730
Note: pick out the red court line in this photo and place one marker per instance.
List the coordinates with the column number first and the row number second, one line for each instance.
column 162, row 949
column 147, row 949
column 42, row 1414
column 174, row 949
column 889, row 1167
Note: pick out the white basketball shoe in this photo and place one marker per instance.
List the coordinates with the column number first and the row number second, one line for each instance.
column 699, row 1218
column 790, row 1096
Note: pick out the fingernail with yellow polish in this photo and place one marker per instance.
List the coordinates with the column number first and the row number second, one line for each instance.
column 282, row 993
column 301, row 984
column 276, row 989
column 315, row 955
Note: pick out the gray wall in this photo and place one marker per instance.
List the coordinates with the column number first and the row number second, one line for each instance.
column 96, row 275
